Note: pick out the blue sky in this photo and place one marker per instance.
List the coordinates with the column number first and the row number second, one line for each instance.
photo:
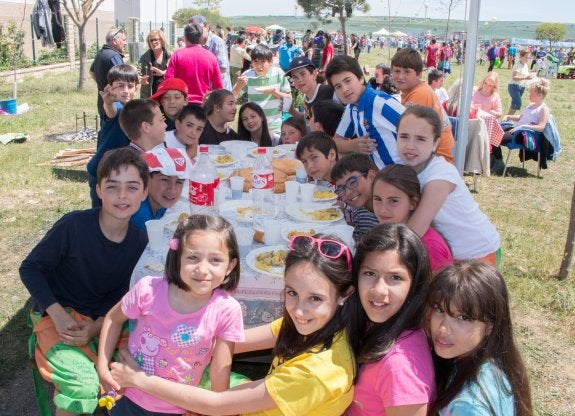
column 562, row 11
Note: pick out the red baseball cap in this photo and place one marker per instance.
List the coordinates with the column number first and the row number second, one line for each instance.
column 170, row 84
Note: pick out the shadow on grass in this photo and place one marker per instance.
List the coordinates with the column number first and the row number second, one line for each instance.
column 520, row 172
column 72, row 175
column 14, row 344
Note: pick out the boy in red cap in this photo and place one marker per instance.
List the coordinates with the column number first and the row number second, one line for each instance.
column 169, row 168
column 172, row 94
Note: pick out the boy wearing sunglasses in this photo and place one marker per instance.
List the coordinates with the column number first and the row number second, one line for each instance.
column 353, row 176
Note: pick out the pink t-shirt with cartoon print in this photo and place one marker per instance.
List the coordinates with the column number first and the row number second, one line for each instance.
column 176, row 346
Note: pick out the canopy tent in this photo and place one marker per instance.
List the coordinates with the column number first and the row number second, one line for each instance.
column 381, row 32
column 399, row 34
column 276, row 27
column 255, row 29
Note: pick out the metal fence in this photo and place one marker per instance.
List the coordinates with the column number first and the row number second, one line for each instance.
column 95, row 32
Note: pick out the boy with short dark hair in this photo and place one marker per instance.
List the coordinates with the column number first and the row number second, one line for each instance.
column 370, row 115
column 77, row 272
column 406, row 68
column 143, row 123
column 318, row 153
column 122, row 85
column 435, row 79
column 265, row 85
column 172, row 94
column 353, row 175
column 325, row 116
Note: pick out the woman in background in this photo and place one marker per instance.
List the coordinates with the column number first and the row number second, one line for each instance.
column 153, row 63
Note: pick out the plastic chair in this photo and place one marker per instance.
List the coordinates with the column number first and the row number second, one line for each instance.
column 521, row 136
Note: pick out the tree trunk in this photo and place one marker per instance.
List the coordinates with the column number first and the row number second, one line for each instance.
column 343, row 32
column 83, row 58
column 569, row 244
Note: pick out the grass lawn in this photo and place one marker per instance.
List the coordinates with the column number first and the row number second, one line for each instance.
column 531, row 214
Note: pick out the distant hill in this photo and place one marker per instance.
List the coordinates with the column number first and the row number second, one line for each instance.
column 369, row 24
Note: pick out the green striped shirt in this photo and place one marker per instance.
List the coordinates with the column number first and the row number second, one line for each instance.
column 271, row 105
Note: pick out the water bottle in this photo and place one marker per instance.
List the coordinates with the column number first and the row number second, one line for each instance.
column 204, row 182
column 263, row 184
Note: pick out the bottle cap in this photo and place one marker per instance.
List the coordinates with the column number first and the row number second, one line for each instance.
column 204, row 149
column 262, row 150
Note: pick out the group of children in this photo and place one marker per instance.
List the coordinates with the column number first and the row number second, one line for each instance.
column 354, row 337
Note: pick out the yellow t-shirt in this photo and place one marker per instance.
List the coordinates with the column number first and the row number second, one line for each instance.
column 312, row 384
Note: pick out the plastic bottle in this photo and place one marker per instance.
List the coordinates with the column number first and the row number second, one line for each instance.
column 263, row 184
column 204, row 181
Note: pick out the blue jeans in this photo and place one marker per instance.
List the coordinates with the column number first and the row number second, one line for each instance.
column 515, row 91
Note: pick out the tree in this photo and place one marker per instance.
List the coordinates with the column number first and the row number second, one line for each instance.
column 550, row 32
column 343, row 9
column 449, row 6
column 80, row 11
column 182, row 16
column 208, row 4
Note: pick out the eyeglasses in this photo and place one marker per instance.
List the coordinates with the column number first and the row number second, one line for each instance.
column 350, row 184
column 155, row 40
column 330, row 249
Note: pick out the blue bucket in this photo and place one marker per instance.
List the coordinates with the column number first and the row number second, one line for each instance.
column 9, row 105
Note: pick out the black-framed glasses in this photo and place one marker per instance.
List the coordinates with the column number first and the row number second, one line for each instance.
column 330, row 249
column 350, row 184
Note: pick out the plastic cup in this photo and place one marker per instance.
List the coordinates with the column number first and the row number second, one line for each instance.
column 155, row 229
column 245, row 238
column 292, row 190
column 301, row 175
column 237, row 185
column 307, row 190
column 272, row 232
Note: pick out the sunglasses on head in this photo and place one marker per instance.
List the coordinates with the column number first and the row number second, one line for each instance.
column 330, row 249
column 350, row 184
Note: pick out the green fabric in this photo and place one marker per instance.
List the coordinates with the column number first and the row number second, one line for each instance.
column 235, row 379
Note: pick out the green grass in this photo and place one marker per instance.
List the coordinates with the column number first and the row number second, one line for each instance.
column 531, row 215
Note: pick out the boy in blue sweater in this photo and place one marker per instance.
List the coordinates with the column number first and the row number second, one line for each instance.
column 122, row 85
column 77, row 272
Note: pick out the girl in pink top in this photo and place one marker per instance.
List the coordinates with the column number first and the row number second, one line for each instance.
column 391, row 275
column 184, row 319
column 396, row 193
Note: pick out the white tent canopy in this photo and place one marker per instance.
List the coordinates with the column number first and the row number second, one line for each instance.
column 399, row 34
column 382, row 32
column 275, row 27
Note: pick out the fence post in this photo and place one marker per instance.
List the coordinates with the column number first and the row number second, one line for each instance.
column 97, row 36
column 70, row 44
column 32, row 36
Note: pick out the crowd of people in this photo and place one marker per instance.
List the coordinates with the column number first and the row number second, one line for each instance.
column 416, row 321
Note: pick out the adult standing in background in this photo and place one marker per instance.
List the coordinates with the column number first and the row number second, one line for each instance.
column 238, row 55
column 287, row 52
column 196, row 66
column 110, row 55
column 328, row 52
column 154, row 62
column 217, row 46
column 431, row 54
column 520, row 76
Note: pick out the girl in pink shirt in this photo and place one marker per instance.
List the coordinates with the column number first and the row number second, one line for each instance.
column 391, row 275
column 486, row 97
column 184, row 319
column 396, row 192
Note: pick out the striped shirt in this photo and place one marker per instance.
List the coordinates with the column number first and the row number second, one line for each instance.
column 376, row 113
column 275, row 78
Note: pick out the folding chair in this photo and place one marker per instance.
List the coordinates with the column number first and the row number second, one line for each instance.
column 518, row 141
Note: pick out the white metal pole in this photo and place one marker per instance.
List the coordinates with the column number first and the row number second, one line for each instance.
column 468, row 77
